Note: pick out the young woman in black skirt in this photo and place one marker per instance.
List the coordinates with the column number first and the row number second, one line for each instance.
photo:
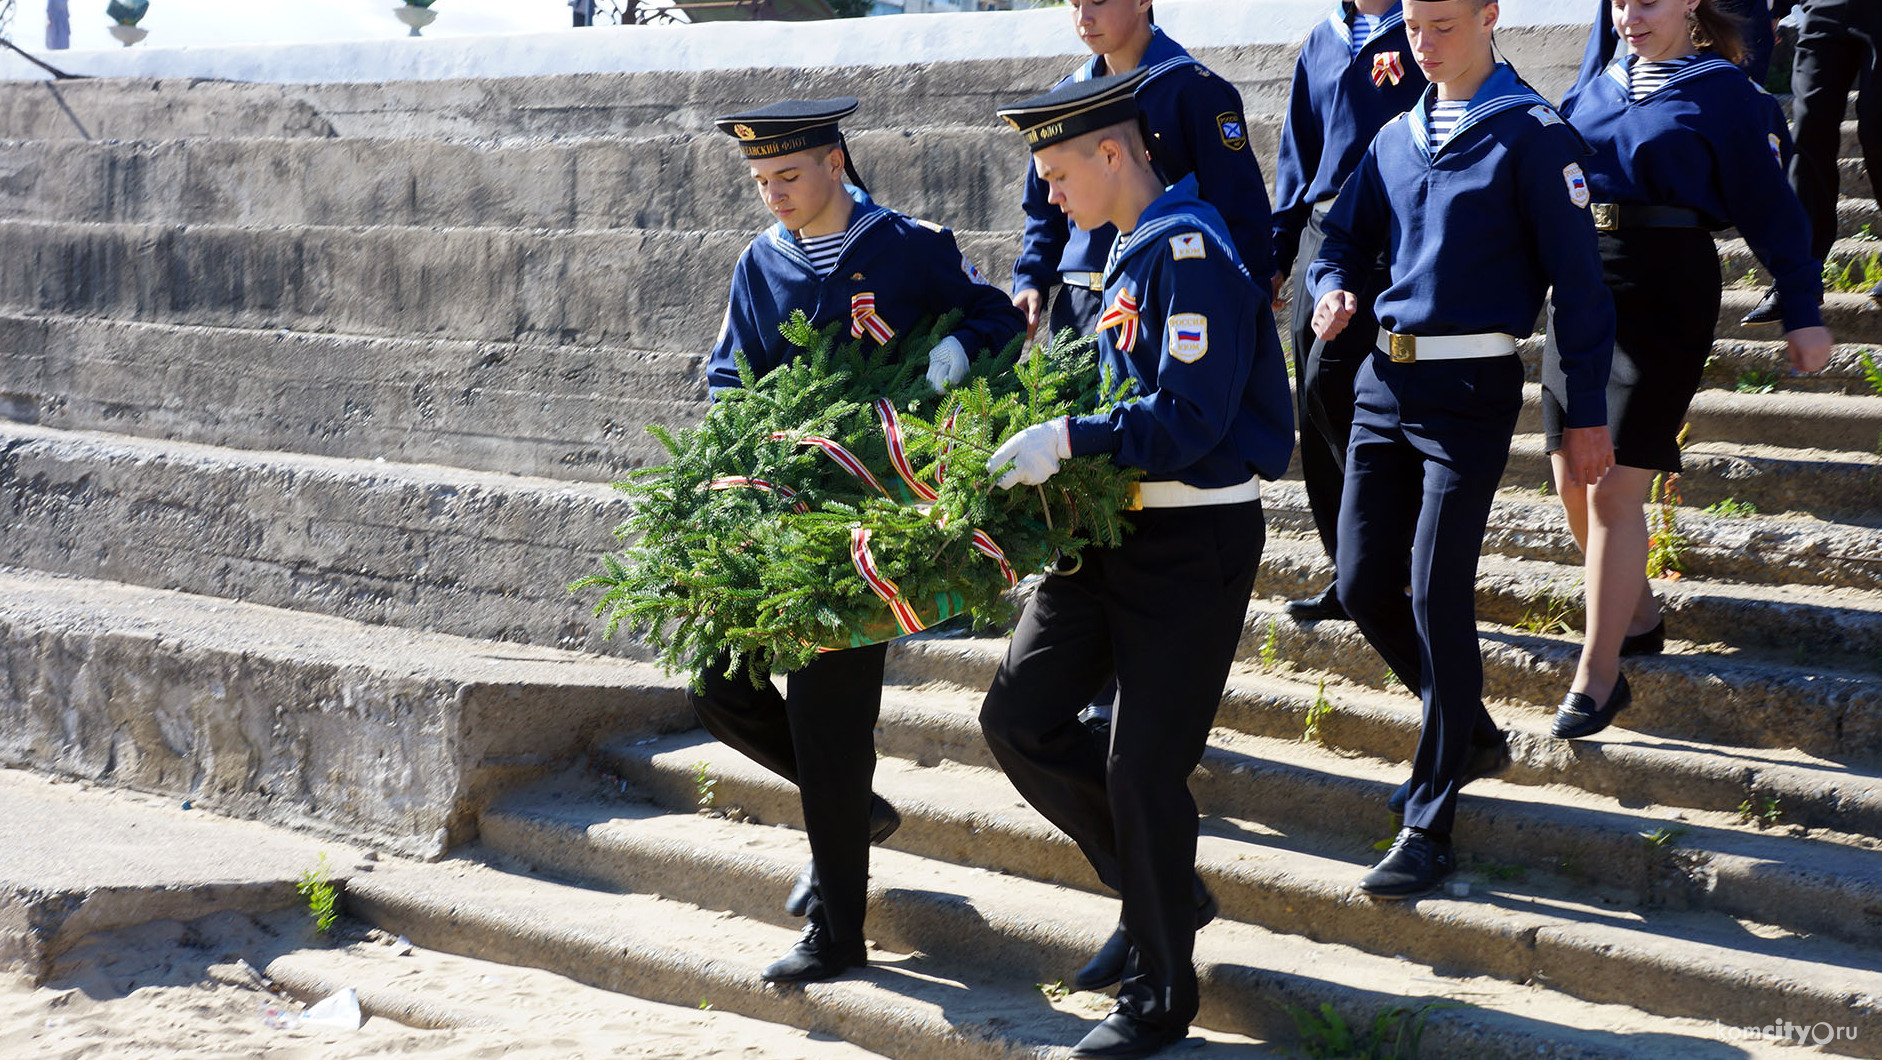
column 1684, row 144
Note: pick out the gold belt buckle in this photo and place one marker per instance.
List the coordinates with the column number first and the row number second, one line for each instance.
column 1607, row 216
column 1136, row 503
column 1403, row 349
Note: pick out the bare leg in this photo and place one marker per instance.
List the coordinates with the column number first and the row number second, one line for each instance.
column 1618, row 594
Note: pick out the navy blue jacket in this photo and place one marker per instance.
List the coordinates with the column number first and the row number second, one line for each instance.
column 1333, row 109
column 913, row 268
column 1478, row 233
column 1698, row 142
column 1212, row 406
column 1196, row 127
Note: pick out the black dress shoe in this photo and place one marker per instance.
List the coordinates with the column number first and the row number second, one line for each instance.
column 1580, row 716
column 1875, row 294
column 1652, row 642
column 1484, row 760
column 814, row 958
column 1417, row 862
column 883, row 821
column 1107, row 965
column 1122, row 1036
column 1316, row 608
column 1769, row 311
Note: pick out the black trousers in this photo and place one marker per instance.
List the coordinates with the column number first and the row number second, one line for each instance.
column 1164, row 610
column 1429, row 445
column 1323, row 387
column 1836, row 50
column 1077, row 308
column 821, row 736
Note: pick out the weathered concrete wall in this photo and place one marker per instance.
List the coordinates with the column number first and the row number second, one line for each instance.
column 567, row 412
column 394, row 736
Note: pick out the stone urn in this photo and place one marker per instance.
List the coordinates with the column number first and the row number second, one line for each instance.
column 132, row 34
column 415, row 16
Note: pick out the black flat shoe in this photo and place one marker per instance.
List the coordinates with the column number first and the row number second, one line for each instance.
column 1652, row 642
column 1123, row 1036
column 1769, row 311
column 1416, row 863
column 883, row 821
column 1484, row 760
column 814, row 958
column 1580, row 716
column 1317, row 608
column 1107, row 965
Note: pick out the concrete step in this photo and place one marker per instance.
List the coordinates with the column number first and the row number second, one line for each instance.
column 1843, row 486
column 386, row 736
column 421, row 546
column 1738, row 364
column 568, row 412
column 1818, row 623
column 1853, row 258
column 964, row 176
column 1755, row 549
column 1839, row 422
column 1289, row 880
column 1361, row 714
column 640, row 288
column 907, row 1005
column 1850, row 316
column 1709, row 694
column 959, row 914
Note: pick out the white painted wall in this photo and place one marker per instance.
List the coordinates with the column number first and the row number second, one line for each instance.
column 718, row 46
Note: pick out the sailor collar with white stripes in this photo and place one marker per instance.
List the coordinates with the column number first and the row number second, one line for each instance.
column 1160, row 57
column 863, row 216
column 1500, row 92
column 1149, row 232
column 1394, row 17
column 1701, row 66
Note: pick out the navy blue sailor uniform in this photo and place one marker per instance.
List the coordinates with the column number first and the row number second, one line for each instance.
column 1668, row 169
column 1197, row 128
column 1164, row 609
column 1344, row 90
column 1476, row 232
column 889, row 272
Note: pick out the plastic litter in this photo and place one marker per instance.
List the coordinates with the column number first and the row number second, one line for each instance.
column 336, row 1010
column 1457, row 889
column 277, row 1016
column 403, row 947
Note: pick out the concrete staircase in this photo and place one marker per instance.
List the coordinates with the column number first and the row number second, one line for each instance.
column 310, row 396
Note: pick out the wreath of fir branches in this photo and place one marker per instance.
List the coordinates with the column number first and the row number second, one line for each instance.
column 766, row 571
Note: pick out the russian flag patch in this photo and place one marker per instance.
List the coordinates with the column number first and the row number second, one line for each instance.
column 1188, row 336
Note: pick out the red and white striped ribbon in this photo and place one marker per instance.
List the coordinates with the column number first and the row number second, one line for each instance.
column 727, row 482
column 985, row 546
column 844, row 458
column 863, row 317
column 898, row 450
column 1123, row 316
column 1387, row 66
column 891, row 594
column 947, row 445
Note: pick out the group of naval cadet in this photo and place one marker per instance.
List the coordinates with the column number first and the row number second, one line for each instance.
column 1429, row 206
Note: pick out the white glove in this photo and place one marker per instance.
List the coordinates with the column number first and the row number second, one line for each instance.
column 947, row 364
column 1034, row 453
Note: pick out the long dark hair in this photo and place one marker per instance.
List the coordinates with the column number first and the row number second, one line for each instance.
column 1717, row 31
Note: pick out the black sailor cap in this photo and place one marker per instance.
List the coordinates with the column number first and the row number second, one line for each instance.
column 787, row 126
column 1076, row 108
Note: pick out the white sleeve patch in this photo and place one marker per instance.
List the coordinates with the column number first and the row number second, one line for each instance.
column 1545, row 115
column 1577, row 185
column 1187, row 246
column 1188, row 337
column 972, row 270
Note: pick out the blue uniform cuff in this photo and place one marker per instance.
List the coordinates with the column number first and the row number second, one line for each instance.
column 1802, row 313
column 1090, row 435
column 1586, row 408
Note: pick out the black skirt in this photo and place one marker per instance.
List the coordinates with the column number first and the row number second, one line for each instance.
column 1665, row 283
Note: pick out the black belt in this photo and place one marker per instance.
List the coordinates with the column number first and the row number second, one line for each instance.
column 1609, row 216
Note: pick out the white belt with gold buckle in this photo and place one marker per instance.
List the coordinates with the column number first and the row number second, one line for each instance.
column 1090, row 281
column 1407, row 349
column 1183, row 495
